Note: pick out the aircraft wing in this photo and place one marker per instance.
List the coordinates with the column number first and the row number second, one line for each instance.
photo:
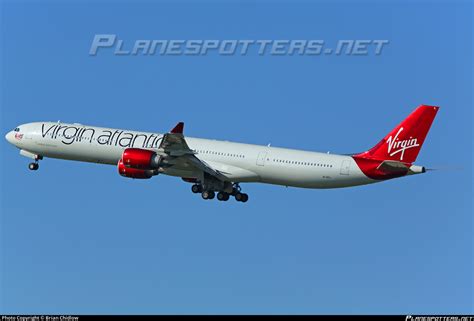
column 174, row 144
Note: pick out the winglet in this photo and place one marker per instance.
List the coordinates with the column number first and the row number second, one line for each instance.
column 178, row 129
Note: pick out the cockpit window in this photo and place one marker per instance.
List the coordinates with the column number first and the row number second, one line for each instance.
column 16, row 129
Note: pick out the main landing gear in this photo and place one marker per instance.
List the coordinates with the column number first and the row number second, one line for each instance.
column 221, row 196
column 208, row 195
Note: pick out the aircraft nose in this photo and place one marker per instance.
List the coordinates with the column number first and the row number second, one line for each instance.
column 9, row 137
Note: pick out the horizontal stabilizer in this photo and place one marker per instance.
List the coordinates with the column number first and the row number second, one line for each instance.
column 392, row 167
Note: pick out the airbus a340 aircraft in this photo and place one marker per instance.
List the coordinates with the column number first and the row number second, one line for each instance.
column 220, row 166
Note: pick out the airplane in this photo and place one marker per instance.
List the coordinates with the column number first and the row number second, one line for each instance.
column 219, row 167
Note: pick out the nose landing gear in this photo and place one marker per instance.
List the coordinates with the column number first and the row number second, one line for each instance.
column 33, row 166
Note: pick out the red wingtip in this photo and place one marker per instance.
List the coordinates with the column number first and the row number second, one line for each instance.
column 178, row 129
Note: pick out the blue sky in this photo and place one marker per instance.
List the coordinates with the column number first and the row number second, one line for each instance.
column 78, row 238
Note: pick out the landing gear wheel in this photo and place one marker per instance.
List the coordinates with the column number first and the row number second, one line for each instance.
column 241, row 197
column 196, row 188
column 221, row 196
column 33, row 166
column 208, row 195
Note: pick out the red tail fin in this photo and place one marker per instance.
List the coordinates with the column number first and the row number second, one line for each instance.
column 404, row 142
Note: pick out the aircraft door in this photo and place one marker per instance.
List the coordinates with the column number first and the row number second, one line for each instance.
column 345, row 167
column 261, row 158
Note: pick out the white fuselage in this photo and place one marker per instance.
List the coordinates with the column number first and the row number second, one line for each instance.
column 240, row 162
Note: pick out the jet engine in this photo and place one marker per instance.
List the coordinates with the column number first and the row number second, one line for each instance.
column 140, row 159
column 135, row 173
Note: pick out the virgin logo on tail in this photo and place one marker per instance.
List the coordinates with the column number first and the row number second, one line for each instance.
column 396, row 146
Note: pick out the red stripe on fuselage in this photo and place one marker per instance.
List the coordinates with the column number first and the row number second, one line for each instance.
column 370, row 168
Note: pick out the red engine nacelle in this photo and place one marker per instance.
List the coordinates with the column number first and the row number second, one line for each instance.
column 140, row 159
column 133, row 172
